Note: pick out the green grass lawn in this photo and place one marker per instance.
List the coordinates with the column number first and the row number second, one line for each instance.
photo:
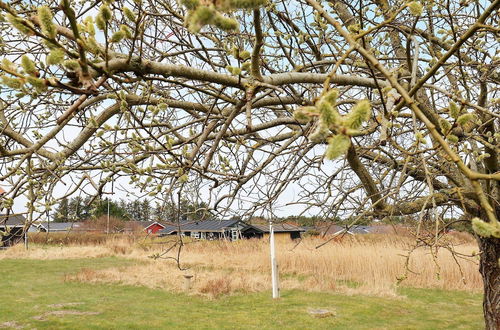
column 28, row 288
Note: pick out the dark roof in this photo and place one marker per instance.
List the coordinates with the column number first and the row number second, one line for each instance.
column 278, row 228
column 206, row 226
column 13, row 220
column 330, row 229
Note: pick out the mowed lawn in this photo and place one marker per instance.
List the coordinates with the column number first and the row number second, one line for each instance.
column 34, row 294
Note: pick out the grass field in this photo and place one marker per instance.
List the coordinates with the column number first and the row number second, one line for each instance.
column 117, row 287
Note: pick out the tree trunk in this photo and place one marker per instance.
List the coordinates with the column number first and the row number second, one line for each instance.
column 490, row 270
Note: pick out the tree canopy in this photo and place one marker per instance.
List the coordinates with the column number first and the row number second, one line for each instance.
column 240, row 102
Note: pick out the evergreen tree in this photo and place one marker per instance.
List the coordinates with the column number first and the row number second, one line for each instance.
column 101, row 208
column 146, row 210
column 62, row 212
column 76, row 209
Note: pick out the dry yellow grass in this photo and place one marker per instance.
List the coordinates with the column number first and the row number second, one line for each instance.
column 363, row 265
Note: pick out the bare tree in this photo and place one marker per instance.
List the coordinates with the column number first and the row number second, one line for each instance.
column 240, row 99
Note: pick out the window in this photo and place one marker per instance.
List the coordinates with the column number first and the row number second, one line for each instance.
column 234, row 234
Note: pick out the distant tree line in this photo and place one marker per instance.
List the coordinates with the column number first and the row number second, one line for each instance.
column 79, row 209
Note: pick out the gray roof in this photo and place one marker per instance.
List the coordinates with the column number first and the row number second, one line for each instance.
column 356, row 229
column 278, row 228
column 58, row 226
column 205, row 226
column 13, row 220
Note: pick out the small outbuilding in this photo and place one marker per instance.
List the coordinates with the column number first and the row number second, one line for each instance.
column 281, row 231
column 12, row 229
column 154, row 227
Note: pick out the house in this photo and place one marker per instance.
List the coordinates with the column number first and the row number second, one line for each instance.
column 52, row 227
column 281, row 231
column 208, row 229
column 332, row 229
column 12, row 229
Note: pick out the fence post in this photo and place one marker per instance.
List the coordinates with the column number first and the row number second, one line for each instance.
column 274, row 264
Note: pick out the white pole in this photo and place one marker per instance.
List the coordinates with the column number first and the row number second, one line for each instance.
column 107, row 225
column 274, row 265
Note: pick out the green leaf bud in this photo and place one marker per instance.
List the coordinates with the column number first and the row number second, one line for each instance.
column 117, row 36
column 445, row 125
column 126, row 31
column 106, row 13
column 71, row 65
column 320, row 134
column 100, row 22
column 225, row 23
column 301, row 114
column 452, row 138
column 244, row 55
column 123, row 106
column 331, row 96
column 20, row 24
column 337, row 146
column 8, row 64
column 359, row 113
column 354, row 28
column 465, row 118
column 483, row 156
column 14, row 83
column 328, row 113
column 233, row 70
column 92, row 45
column 37, row 83
column 56, row 56
column 199, row 18
column 28, row 65
column 129, row 14
column 48, row 26
column 415, row 8
column 486, row 229
column 183, row 178
column 89, row 25
column 454, row 110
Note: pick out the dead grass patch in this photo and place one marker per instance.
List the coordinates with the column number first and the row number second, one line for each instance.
column 368, row 265
column 11, row 325
column 353, row 266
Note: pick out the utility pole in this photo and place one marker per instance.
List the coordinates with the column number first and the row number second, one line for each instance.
column 112, row 193
column 274, row 264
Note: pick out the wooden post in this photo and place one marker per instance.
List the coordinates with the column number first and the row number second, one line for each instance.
column 26, row 239
column 187, row 282
column 274, row 264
